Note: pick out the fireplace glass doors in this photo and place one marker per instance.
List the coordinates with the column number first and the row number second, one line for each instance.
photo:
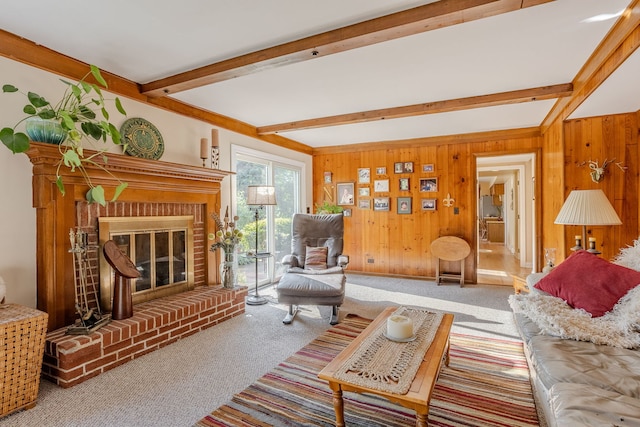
column 160, row 247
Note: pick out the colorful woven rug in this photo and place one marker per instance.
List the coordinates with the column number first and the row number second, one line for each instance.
column 486, row 384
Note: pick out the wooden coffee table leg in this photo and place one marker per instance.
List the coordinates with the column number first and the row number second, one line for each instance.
column 422, row 416
column 338, row 404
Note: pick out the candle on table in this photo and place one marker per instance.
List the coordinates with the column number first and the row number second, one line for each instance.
column 399, row 327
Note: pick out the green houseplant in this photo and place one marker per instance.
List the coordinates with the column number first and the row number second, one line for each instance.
column 79, row 116
column 328, row 208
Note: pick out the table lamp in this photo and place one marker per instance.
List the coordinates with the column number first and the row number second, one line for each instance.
column 259, row 196
column 587, row 207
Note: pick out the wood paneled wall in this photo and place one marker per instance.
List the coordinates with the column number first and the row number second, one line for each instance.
column 399, row 244
column 599, row 138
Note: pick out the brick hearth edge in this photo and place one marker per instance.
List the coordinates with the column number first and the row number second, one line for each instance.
column 72, row 359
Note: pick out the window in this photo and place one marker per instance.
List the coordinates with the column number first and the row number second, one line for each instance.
column 274, row 222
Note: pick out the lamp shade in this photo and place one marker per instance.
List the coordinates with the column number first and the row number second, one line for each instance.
column 587, row 207
column 262, row 195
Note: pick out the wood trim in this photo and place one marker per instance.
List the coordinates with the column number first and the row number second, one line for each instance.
column 432, row 16
column 532, row 132
column 480, row 101
column 617, row 46
column 149, row 181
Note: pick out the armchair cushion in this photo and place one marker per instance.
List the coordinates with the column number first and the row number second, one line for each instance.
column 316, row 258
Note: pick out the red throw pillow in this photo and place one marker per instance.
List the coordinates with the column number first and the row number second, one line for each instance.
column 589, row 282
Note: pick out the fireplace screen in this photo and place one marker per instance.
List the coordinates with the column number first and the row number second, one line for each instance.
column 160, row 247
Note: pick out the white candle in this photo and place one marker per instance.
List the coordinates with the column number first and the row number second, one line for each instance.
column 214, row 138
column 204, row 148
column 399, row 327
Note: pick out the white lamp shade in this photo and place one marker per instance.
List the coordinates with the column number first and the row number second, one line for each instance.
column 587, row 207
column 262, row 195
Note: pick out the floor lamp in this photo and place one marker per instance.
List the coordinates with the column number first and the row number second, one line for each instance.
column 587, row 207
column 259, row 196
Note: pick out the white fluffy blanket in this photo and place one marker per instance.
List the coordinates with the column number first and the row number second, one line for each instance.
column 618, row 328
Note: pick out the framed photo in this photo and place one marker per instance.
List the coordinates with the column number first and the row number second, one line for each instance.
column 404, row 184
column 363, row 192
column 381, row 186
column 346, row 212
column 398, row 167
column 364, row 175
column 408, row 167
column 346, row 193
column 364, row 204
column 428, row 184
column 327, row 177
column 427, row 168
column 381, row 170
column 404, row 205
column 428, row 204
column 380, row 203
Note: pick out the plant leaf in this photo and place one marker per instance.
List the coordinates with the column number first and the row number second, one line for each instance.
column 92, row 129
column 71, row 159
column 86, row 86
column 9, row 88
column 60, row 185
column 36, row 100
column 16, row 142
column 86, row 112
column 46, row 114
column 29, row 109
column 115, row 134
column 67, row 121
column 119, row 107
column 96, row 194
column 96, row 75
column 119, row 189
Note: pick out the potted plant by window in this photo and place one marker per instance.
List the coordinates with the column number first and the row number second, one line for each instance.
column 80, row 115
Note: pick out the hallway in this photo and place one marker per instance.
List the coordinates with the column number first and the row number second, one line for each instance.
column 496, row 265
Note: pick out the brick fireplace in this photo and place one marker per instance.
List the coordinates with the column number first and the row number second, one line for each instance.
column 155, row 188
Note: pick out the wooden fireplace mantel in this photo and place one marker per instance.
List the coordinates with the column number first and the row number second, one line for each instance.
column 148, row 180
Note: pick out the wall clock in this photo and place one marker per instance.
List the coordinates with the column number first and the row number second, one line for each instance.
column 143, row 139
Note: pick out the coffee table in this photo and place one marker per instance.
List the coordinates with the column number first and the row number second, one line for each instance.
column 419, row 393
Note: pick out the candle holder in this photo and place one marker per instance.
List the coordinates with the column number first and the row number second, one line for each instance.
column 578, row 245
column 592, row 246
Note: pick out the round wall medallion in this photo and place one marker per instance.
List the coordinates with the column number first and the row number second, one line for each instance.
column 143, row 139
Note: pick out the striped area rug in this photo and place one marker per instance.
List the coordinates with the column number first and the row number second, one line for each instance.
column 486, row 384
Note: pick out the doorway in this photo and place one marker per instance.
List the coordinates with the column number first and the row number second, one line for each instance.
column 506, row 217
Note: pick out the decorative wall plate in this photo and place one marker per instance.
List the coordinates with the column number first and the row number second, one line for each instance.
column 143, row 139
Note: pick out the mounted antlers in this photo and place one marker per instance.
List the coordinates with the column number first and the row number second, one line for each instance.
column 597, row 171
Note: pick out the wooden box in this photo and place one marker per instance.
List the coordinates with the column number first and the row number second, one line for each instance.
column 22, row 336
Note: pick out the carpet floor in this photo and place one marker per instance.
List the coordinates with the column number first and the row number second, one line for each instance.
column 486, row 384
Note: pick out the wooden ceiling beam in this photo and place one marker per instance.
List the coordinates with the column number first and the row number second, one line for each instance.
column 617, row 46
column 503, row 98
column 420, row 19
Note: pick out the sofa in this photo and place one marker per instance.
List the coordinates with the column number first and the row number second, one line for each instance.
column 584, row 357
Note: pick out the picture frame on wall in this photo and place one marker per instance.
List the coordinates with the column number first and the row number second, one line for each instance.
column 381, row 186
column 404, row 205
column 381, row 170
column 428, row 184
column 364, row 175
column 346, row 192
column 408, row 167
column 427, row 168
column 363, row 192
column 398, row 167
column 327, row 177
column 346, row 212
column 428, row 204
column 380, row 203
column 403, row 184
column 364, row 204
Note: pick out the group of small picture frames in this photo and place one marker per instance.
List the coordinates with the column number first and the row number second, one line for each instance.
column 346, row 191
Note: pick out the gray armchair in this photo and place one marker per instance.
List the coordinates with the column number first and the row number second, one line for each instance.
column 315, row 268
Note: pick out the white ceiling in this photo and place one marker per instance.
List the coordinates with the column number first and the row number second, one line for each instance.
column 145, row 40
